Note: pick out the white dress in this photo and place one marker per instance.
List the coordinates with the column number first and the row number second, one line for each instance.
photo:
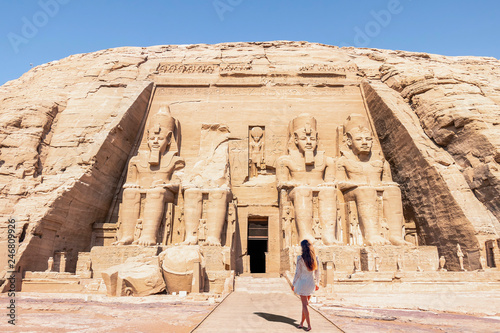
column 304, row 282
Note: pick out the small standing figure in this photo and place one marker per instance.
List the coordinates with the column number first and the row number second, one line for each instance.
column 460, row 255
column 377, row 263
column 138, row 229
column 482, row 262
column 287, row 227
column 202, row 230
column 256, row 151
column 50, row 264
column 88, row 265
column 357, row 264
column 442, row 262
column 317, row 229
column 399, row 263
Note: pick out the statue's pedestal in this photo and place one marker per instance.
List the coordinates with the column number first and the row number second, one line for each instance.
column 387, row 258
column 391, row 258
column 104, row 257
column 218, row 267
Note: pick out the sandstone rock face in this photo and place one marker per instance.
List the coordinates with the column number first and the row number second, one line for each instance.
column 68, row 128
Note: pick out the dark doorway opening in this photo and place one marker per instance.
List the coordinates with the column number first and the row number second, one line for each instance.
column 257, row 244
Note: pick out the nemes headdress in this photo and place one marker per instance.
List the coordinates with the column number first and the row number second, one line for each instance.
column 302, row 121
column 356, row 121
column 163, row 119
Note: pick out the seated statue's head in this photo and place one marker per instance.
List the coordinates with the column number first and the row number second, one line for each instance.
column 305, row 136
column 359, row 136
column 160, row 134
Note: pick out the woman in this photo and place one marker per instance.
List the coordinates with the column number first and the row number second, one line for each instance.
column 306, row 279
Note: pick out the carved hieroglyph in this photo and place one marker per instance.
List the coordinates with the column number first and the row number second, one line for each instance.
column 363, row 177
column 306, row 173
column 208, row 182
column 150, row 176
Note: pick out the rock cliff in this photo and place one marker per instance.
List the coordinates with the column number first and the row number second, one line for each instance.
column 67, row 129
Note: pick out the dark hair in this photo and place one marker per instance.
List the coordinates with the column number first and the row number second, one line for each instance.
column 308, row 255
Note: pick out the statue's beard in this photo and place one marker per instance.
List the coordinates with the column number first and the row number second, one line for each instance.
column 309, row 156
column 154, row 156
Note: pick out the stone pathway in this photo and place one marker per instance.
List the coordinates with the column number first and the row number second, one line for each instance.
column 261, row 305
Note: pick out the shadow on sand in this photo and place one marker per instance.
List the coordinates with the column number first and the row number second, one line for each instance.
column 277, row 318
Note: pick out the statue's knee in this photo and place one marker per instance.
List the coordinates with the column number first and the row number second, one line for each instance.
column 304, row 192
column 130, row 194
column 192, row 193
column 327, row 194
column 365, row 193
column 156, row 193
column 392, row 191
column 218, row 194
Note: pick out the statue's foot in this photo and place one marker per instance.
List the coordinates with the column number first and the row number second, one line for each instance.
column 332, row 242
column 124, row 241
column 213, row 241
column 145, row 241
column 190, row 240
column 377, row 240
column 400, row 242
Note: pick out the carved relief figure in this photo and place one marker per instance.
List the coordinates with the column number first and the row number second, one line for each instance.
column 460, row 256
column 150, row 175
column 442, row 262
column 304, row 171
column 287, row 227
column 256, row 161
column 50, row 264
column 362, row 177
column 202, row 230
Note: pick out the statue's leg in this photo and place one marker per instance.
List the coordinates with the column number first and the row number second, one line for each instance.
column 192, row 214
column 393, row 213
column 153, row 212
column 368, row 214
column 129, row 214
column 216, row 215
column 302, row 201
column 328, row 214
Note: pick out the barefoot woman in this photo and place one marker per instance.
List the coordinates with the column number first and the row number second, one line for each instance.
column 306, row 279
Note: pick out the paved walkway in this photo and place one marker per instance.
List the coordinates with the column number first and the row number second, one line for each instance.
column 261, row 305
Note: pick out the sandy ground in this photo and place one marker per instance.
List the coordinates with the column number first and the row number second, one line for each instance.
column 368, row 313
column 414, row 312
column 37, row 312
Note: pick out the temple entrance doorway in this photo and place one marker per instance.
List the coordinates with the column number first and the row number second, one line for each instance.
column 257, row 244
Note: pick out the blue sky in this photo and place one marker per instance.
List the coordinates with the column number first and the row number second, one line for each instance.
column 38, row 31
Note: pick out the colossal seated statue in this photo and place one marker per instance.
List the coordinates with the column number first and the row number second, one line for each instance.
column 150, row 176
column 363, row 177
column 207, row 188
column 306, row 173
